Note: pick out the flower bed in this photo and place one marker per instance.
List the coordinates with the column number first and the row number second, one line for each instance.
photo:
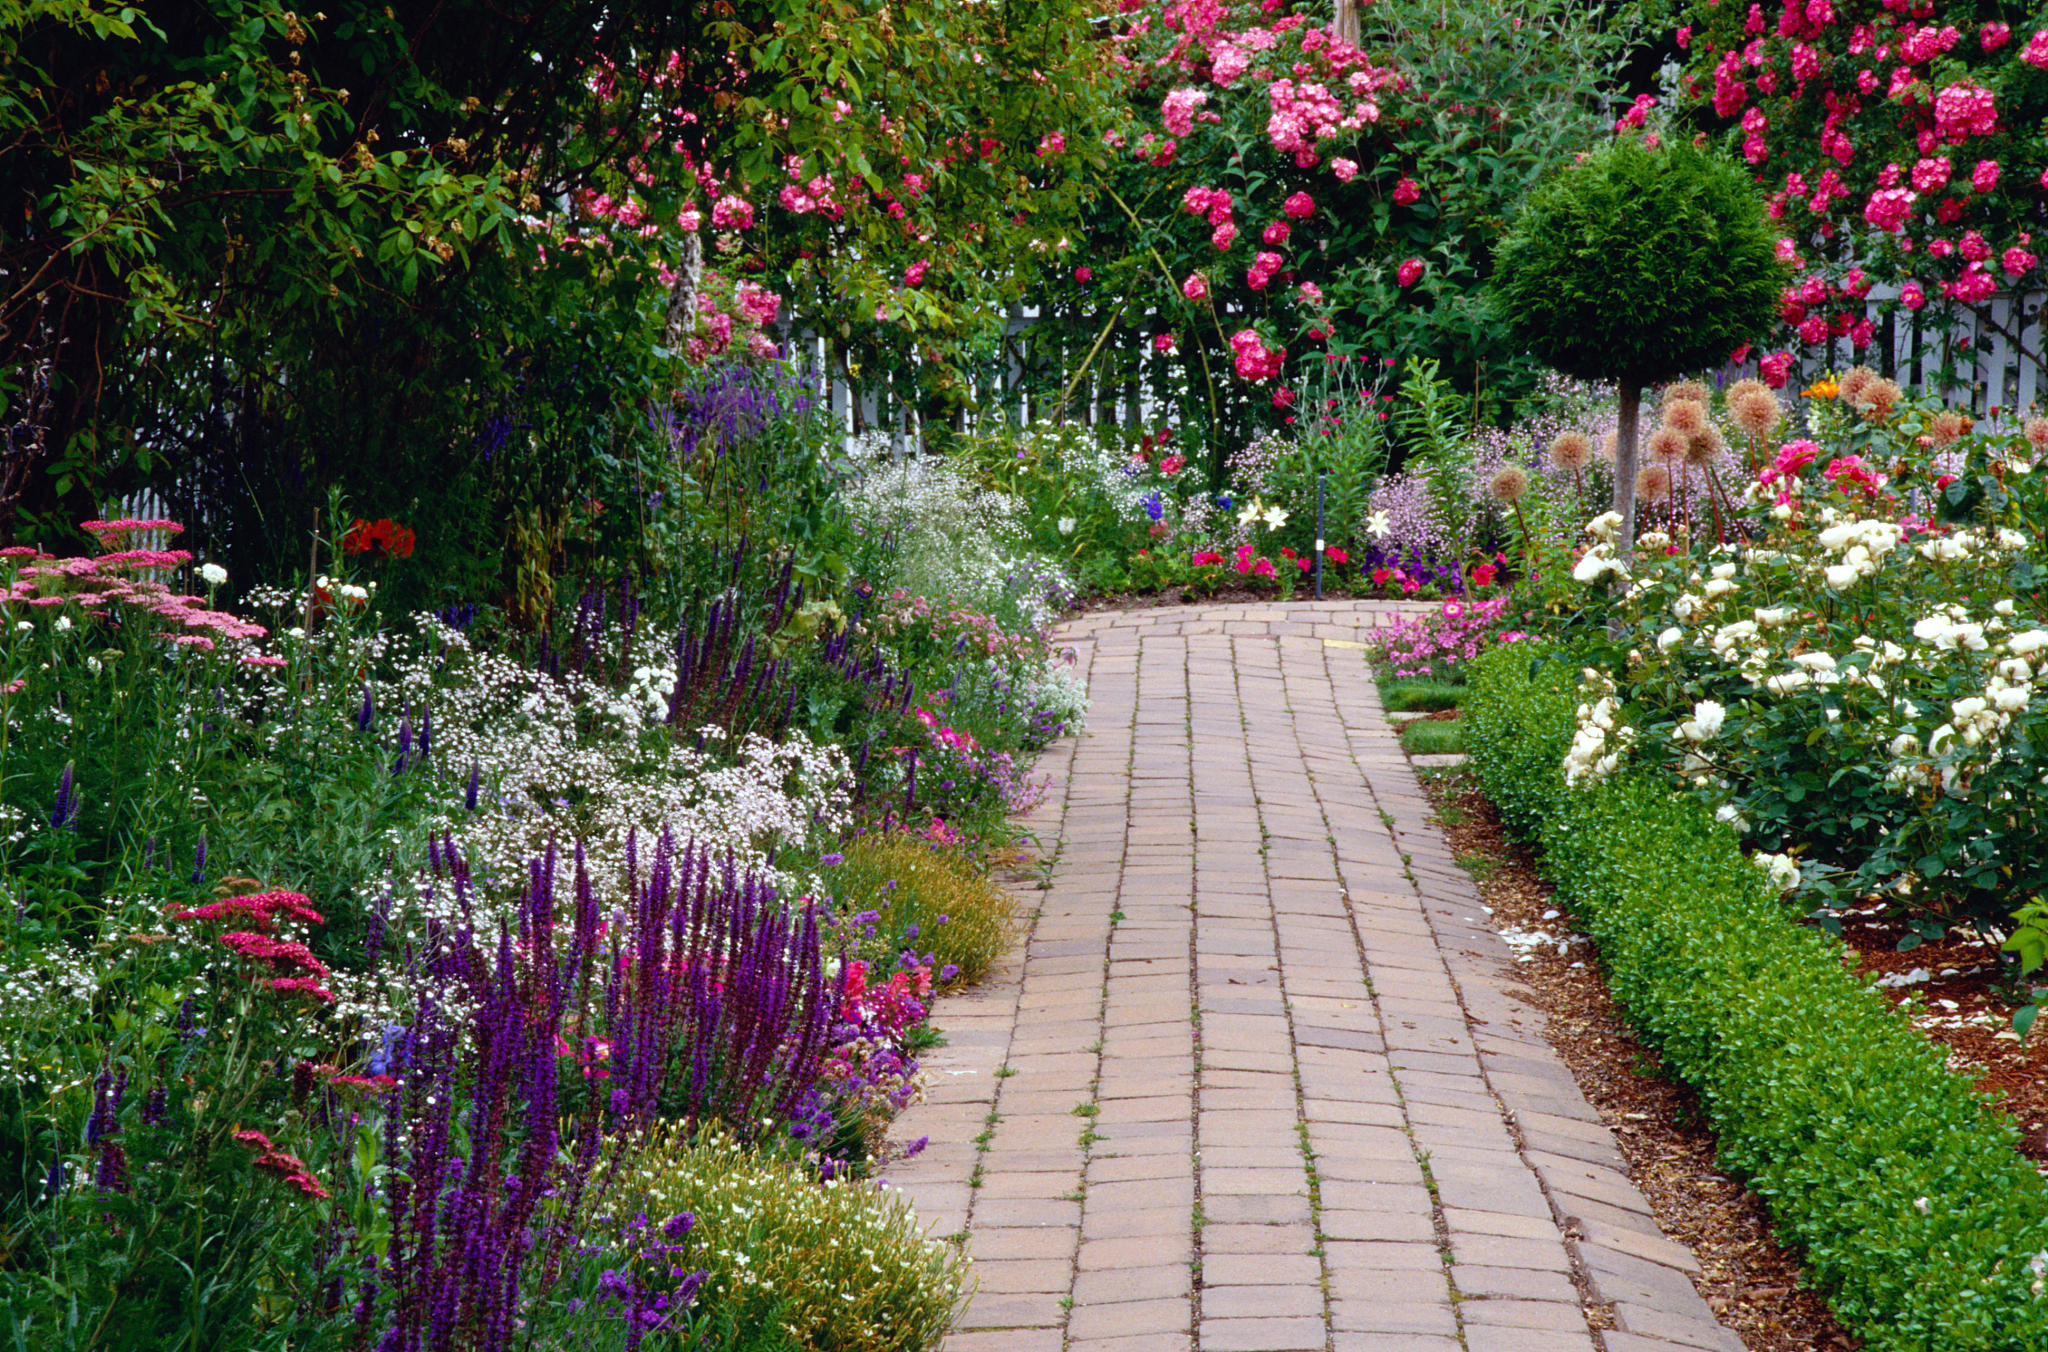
column 1891, row 1174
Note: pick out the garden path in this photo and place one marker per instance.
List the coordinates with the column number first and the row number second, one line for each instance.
column 1258, row 1077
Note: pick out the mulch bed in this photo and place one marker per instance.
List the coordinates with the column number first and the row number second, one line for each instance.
column 1749, row 1281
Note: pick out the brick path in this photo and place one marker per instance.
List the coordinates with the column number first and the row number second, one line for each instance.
column 1258, row 1079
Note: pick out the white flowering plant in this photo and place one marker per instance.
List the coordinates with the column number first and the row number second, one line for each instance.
column 1848, row 670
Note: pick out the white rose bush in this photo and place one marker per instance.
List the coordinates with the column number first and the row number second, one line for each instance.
column 1824, row 693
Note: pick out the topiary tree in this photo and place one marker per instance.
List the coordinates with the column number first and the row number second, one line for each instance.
column 1638, row 263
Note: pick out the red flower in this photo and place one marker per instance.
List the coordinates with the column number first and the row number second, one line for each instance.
column 383, row 538
column 1336, row 556
column 1483, row 575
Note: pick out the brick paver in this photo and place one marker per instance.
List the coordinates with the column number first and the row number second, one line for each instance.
column 1256, row 1078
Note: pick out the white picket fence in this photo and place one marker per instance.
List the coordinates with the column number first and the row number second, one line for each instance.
column 1982, row 358
column 1993, row 355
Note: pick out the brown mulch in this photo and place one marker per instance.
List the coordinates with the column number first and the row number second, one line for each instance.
column 1952, row 993
column 1751, row 1283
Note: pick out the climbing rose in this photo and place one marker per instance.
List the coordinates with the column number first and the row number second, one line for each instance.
column 914, row 274
column 2017, row 261
column 1407, row 191
column 1985, row 176
column 1299, row 205
column 732, row 213
column 1196, row 287
column 1775, row 369
column 1410, row 272
column 1345, row 170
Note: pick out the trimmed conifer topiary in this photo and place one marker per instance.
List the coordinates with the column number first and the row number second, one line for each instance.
column 1636, row 264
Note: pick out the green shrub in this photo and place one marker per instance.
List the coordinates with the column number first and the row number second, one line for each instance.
column 838, row 1266
column 921, row 896
column 1900, row 1184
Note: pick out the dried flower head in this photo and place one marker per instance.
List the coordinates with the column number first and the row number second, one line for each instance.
column 1509, row 484
column 1686, row 389
column 1666, row 443
column 1571, row 452
column 1874, row 401
column 1610, row 445
column 1704, row 445
column 1685, row 415
column 1854, row 381
column 1746, row 385
column 1756, row 413
column 1653, row 483
column 1946, row 428
column 2036, row 433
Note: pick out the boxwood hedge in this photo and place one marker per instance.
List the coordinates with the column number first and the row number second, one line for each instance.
column 1899, row 1182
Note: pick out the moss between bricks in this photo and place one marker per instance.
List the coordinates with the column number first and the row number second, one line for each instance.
column 1897, row 1181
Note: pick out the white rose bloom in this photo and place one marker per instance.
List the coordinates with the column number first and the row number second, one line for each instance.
column 1816, row 661
column 2028, row 643
column 1775, row 616
column 2012, row 698
column 1781, row 869
column 1705, row 723
column 1603, row 526
column 1670, row 639
column 1719, row 588
column 1840, row 576
column 1686, row 606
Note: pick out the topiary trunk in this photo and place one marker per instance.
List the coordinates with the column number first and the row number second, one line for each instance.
column 1625, row 464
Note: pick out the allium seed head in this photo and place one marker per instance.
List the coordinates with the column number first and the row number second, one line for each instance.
column 2036, row 433
column 1704, row 445
column 1571, row 452
column 1509, row 483
column 1746, row 385
column 1756, row 412
column 1947, row 428
column 1686, row 389
column 1875, row 400
column 1666, row 443
column 1653, row 483
column 1854, row 381
column 1685, row 415
column 1610, row 445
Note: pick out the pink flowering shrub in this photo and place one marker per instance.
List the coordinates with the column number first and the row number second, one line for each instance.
column 1883, row 136
column 1312, row 151
column 1443, row 643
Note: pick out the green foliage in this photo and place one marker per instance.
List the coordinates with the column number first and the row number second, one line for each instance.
column 1433, row 737
column 1914, row 1213
column 924, row 898
column 842, row 1266
column 1637, row 264
column 1420, row 696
